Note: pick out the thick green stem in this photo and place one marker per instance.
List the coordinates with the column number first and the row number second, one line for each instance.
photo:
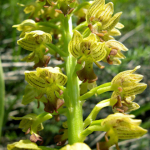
column 74, row 113
column 97, row 90
column 2, row 96
column 72, row 94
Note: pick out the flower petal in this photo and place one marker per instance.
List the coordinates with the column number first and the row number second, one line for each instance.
column 98, row 51
column 74, row 44
column 112, row 22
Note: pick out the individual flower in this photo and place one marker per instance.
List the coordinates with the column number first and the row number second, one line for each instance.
column 32, row 124
column 120, row 126
column 35, row 10
column 36, row 41
column 48, row 81
column 126, row 85
column 112, row 47
column 124, row 104
column 76, row 146
column 27, row 125
column 114, row 54
column 26, row 26
column 102, row 13
column 89, row 51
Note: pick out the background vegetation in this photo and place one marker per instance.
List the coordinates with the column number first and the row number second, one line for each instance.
column 135, row 35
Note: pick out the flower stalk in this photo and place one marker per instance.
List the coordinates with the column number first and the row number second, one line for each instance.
column 2, row 97
column 74, row 106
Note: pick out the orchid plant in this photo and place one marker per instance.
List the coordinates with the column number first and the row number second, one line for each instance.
column 89, row 38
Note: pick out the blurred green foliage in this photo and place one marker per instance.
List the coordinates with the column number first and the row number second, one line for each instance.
column 135, row 35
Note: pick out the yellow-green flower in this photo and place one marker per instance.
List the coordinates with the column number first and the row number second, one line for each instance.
column 120, row 126
column 48, row 81
column 36, row 41
column 114, row 54
column 124, row 104
column 89, row 51
column 100, row 18
column 32, row 124
column 26, row 26
column 28, row 125
column 127, row 84
column 35, row 10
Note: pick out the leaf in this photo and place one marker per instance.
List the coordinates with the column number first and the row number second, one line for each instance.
column 23, row 144
column 30, row 94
